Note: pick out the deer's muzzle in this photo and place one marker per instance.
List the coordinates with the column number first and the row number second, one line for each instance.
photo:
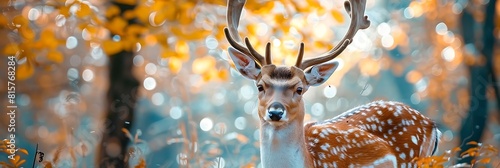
column 276, row 111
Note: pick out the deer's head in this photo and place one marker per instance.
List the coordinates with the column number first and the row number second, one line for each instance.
column 281, row 87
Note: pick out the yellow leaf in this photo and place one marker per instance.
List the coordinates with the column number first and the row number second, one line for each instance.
column 472, row 143
column 142, row 163
column 20, row 163
column 216, row 2
column 26, row 52
column 142, row 13
column 456, row 149
column 24, row 71
column 260, row 8
column 175, row 65
column 83, row 11
column 337, row 16
column 20, row 21
column 159, row 18
column 485, row 160
column 48, row 39
column 23, row 151
column 167, row 53
column 11, row 49
column 117, row 25
column 189, row 35
column 165, row 12
column 185, row 17
column 128, row 43
column 55, row 56
column 171, row 12
column 129, row 15
column 82, row 26
column 150, row 40
column 471, row 152
column 127, row 133
column 27, row 33
column 96, row 20
column 280, row 19
column 111, row 47
column 220, row 34
column 3, row 21
column 64, row 10
column 91, row 29
column 48, row 165
column 162, row 39
column 113, row 10
column 15, row 160
column 135, row 29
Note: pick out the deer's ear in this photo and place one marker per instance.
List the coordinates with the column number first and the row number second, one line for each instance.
column 318, row 74
column 244, row 63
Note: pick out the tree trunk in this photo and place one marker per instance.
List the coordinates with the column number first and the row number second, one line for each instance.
column 121, row 100
column 480, row 77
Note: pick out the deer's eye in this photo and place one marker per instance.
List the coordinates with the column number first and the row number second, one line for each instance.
column 260, row 88
column 299, row 90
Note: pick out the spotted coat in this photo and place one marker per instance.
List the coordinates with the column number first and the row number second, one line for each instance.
column 380, row 134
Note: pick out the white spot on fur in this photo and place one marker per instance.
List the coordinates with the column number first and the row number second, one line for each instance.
column 315, row 131
column 386, row 158
column 402, row 155
column 414, row 140
column 325, row 146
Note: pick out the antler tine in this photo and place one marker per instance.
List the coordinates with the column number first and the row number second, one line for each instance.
column 268, row 54
column 234, row 43
column 356, row 10
column 300, row 56
column 254, row 53
column 234, row 9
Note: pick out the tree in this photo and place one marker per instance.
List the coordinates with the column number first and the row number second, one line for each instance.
column 482, row 73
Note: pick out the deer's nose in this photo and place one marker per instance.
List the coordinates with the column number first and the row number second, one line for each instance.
column 275, row 111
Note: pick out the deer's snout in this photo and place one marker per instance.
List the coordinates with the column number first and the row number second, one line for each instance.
column 275, row 111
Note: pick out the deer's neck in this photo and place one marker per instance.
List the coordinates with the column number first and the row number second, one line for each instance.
column 284, row 146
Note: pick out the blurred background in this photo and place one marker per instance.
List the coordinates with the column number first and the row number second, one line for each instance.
column 149, row 82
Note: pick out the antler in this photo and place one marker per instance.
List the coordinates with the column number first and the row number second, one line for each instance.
column 356, row 10
column 234, row 8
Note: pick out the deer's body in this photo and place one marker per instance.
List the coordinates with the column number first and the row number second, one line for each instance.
column 378, row 134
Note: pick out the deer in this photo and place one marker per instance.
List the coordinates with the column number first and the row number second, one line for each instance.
column 377, row 134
